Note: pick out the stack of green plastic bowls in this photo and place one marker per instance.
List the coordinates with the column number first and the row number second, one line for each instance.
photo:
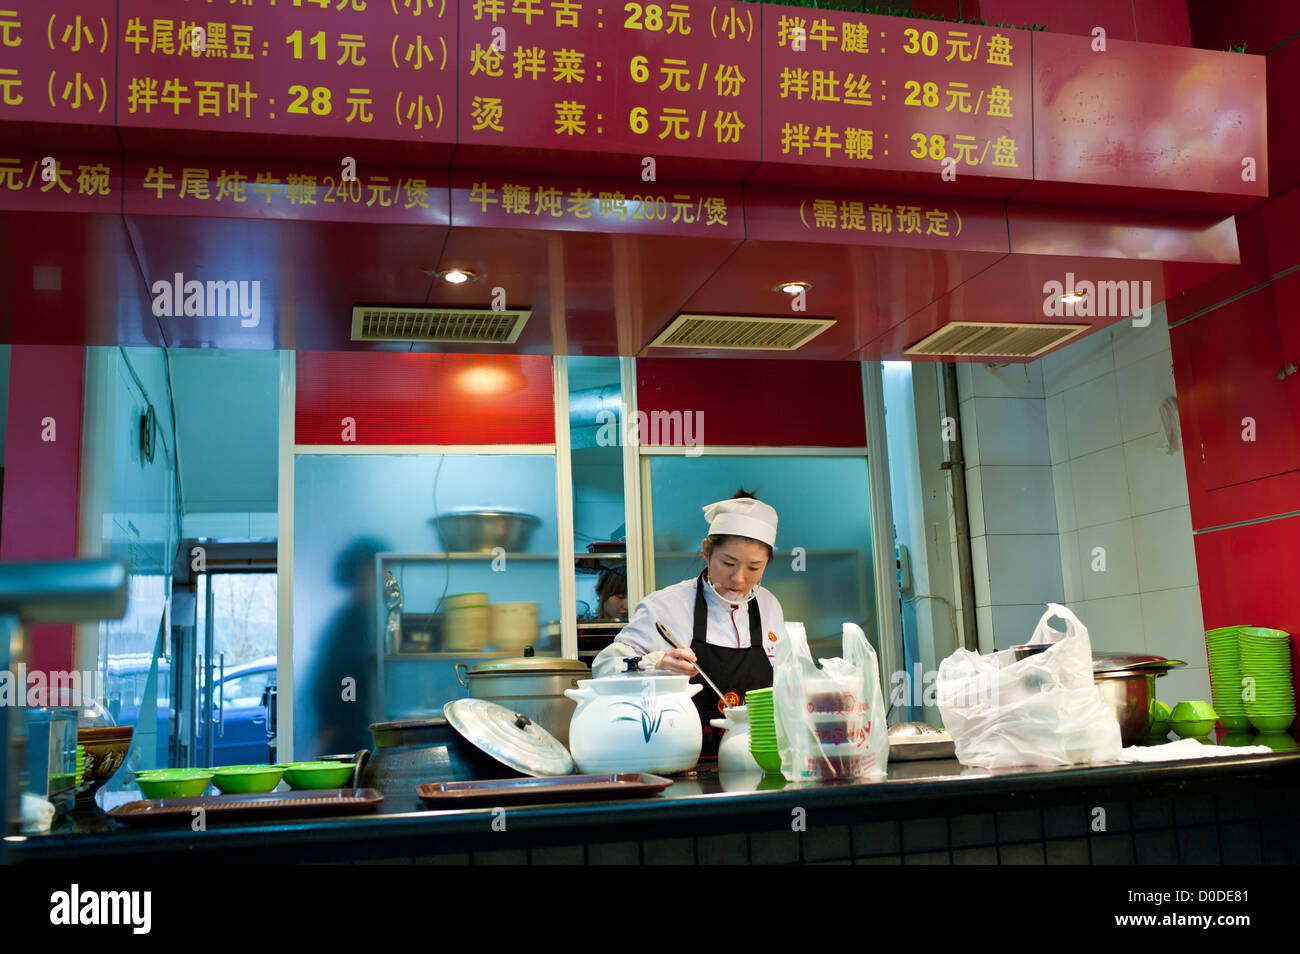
column 1225, row 677
column 762, row 730
column 1266, row 675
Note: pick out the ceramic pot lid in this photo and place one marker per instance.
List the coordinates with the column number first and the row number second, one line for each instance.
column 512, row 739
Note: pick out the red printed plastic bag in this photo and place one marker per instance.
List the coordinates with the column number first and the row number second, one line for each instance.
column 830, row 722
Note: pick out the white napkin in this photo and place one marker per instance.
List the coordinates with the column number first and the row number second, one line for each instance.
column 1187, row 749
column 37, row 814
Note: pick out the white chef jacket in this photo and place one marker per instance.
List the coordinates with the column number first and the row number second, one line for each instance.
column 674, row 606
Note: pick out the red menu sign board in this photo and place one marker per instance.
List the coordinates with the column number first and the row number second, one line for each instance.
column 56, row 65
column 875, row 92
column 63, row 182
column 669, row 79
column 279, row 190
column 526, row 201
column 841, row 217
column 362, row 69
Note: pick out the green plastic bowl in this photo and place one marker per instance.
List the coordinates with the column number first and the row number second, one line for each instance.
column 1192, row 728
column 311, row 775
column 247, row 779
column 1273, row 723
column 174, row 783
column 769, row 762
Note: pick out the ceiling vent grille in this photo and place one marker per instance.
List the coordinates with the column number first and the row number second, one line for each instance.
column 740, row 332
column 457, row 325
column 1001, row 340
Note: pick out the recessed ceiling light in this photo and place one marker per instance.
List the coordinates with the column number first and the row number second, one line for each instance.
column 1071, row 298
column 456, row 276
column 792, row 288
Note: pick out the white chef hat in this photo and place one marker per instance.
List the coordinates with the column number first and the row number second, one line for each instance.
column 742, row 516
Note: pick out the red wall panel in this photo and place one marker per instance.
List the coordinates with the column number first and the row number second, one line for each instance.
column 1065, row 16
column 759, row 402
column 1247, row 577
column 43, row 477
column 1163, row 21
column 1217, row 25
column 423, row 398
column 1283, row 72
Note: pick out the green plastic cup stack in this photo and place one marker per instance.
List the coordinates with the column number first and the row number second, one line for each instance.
column 1269, row 694
column 762, row 730
column 1225, row 677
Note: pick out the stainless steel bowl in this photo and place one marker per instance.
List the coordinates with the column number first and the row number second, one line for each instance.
column 482, row 531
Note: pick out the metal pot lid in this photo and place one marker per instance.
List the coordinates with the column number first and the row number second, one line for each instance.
column 530, row 666
column 1110, row 662
column 512, row 739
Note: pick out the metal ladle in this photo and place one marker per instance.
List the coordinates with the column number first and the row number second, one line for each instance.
column 668, row 637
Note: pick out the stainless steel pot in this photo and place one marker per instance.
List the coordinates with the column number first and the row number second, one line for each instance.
column 1129, row 693
column 532, row 685
column 415, row 751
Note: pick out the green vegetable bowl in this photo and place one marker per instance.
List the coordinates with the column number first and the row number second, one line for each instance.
column 173, row 783
column 247, row 779
column 311, row 775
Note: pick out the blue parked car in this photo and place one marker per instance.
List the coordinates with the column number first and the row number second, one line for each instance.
column 239, row 733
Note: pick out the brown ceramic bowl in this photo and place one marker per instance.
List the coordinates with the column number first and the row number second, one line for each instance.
column 105, row 750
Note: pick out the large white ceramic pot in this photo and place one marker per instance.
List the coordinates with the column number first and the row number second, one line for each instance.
column 635, row 722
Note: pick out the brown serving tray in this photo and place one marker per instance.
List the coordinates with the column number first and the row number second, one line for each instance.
column 218, row 808
column 555, row 788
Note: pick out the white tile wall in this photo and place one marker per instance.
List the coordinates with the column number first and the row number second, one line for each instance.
column 1100, row 485
column 1018, row 499
column 1059, row 450
column 1074, row 364
column 1108, row 563
column 1157, row 480
column 1016, row 380
column 1132, row 344
column 1011, row 431
column 1015, row 624
column 979, row 567
column 1166, row 557
column 1114, row 624
column 1024, row 568
column 1173, row 623
column 975, row 500
column 1092, row 416
column 1071, row 571
column 1063, row 491
column 1142, row 387
column 970, row 447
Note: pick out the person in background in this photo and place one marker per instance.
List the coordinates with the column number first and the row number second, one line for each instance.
column 722, row 619
column 611, row 594
column 348, row 651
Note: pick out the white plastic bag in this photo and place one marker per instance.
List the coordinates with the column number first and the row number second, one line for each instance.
column 1040, row 710
column 830, row 722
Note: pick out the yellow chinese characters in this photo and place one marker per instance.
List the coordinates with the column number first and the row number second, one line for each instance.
column 611, row 206
column 853, row 215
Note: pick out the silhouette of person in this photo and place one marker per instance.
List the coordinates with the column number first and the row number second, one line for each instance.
column 347, row 650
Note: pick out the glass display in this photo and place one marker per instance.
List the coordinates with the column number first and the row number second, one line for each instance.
column 822, row 567
column 481, row 583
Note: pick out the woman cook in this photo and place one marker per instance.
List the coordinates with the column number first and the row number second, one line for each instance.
column 722, row 619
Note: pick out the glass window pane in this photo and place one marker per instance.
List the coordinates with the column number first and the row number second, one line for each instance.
column 824, row 508
column 349, row 509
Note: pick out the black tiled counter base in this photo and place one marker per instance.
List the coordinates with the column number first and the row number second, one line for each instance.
column 1247, row 812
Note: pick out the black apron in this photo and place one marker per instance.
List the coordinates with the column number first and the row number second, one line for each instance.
column 735, row 671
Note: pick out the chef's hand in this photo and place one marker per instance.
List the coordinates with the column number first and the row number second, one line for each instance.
column 678, row 660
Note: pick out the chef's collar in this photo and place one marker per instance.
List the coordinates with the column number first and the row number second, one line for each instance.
column 709, row 588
